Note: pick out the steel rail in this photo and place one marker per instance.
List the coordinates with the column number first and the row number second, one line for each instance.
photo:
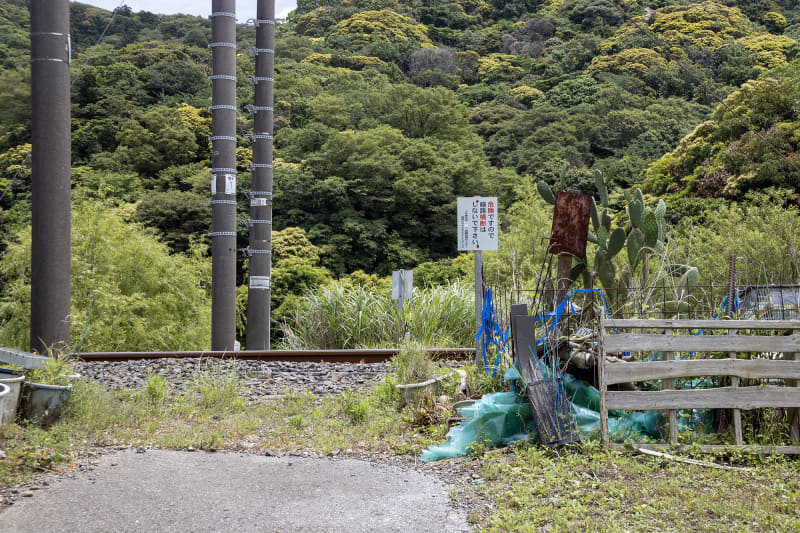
column 380, row 355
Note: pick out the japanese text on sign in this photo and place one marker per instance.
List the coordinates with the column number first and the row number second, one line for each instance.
column 477, row 223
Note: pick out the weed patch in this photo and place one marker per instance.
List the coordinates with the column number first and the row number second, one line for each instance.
column 533, row 488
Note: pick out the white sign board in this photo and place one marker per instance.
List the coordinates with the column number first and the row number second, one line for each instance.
column 230, row 184
column 477, row 223
column 260, row 282
column 402, row 284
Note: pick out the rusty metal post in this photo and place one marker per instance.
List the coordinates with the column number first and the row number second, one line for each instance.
column 568, row 236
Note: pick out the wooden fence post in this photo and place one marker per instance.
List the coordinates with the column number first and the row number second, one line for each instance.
column 737, row 413
column 601, row 382
column 794, row 412
column 668, row 384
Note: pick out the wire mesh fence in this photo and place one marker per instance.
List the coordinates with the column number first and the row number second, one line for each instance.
column 769, row 302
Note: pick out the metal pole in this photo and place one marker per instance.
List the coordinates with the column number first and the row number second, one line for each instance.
column 478, row 308
column 223, row 172
column 50, row 180
column 260, row 286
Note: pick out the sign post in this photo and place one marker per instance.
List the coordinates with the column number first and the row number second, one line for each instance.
column 402, row 289
column 478, row 231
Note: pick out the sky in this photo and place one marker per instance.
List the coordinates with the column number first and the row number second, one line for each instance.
column 245, row 9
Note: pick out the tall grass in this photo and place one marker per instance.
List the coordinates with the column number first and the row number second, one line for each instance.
column 346, row 316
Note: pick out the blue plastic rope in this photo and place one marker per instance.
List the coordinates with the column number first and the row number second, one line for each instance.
column 492, row 333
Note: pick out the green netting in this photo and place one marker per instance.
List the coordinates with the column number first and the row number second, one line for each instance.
column 497, row 418
column 504, row 417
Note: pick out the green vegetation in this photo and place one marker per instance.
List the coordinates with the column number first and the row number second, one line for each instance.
column 529, row 487
column 384, row 115
column 56, row 371
column 593, row 490
column 128, row 292
column 344, row 315
column 411, row 364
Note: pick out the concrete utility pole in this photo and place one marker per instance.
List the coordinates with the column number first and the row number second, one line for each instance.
column 223, row 172
column 260, row 287
column 51, row 153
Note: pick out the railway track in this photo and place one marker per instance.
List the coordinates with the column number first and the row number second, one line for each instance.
column 381, row 355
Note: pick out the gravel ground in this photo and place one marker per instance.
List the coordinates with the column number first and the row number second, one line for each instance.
column 261, row 379
column 264, row 381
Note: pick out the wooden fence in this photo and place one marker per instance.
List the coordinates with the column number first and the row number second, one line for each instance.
column 763, row 343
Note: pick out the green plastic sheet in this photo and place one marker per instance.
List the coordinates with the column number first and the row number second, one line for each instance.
column 505, row 417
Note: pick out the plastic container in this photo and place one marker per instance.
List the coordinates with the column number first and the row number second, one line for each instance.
column 43, row 404
column 416, row 392
column 5, row 390
column 14, row 380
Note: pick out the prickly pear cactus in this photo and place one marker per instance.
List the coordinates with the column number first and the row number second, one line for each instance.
column 642, row 234
column 546, row 192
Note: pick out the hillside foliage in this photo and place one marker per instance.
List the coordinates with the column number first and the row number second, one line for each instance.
column 386, row 112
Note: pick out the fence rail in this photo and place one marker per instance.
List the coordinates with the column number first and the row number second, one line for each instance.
column 719, row 336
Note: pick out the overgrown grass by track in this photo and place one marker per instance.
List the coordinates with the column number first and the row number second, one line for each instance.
column 213, row 416
column 590, row 489
column 534, row 489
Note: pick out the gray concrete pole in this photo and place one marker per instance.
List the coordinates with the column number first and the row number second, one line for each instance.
column 260, row 291
column 50, row 180
column 223, row 172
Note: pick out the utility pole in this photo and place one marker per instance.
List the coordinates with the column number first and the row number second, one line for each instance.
column 223, row 175
column 260, row 251
column 50, row 180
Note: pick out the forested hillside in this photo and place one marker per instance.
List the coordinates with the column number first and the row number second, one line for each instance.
column 386, row 111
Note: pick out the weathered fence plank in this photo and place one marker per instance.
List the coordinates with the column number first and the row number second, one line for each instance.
column 718, row 398
column 743, row 368
column 701, row 324
column 632, row 342
column 721, row 337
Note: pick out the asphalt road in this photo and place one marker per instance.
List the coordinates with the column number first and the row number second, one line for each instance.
column 171, row 491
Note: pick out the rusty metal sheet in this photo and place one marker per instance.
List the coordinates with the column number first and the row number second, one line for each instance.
column 570, row 224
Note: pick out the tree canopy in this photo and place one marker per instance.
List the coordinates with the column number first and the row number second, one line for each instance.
column 386, row 112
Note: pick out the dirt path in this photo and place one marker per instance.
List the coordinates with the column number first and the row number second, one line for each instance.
column 171, row 491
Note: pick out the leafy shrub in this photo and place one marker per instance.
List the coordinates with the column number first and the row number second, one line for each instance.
column 155, row 388
column 134, row 295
